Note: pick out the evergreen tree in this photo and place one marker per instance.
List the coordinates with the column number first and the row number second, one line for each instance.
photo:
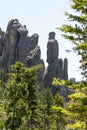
column 30, row 76
column 59, row 113
column 46, row 103
column 77, row 107
column 20, row 97
column 16, row 98
column 2, row 110
column 77, row 30
column 77, row 33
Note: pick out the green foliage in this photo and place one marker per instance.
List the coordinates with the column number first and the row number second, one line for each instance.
column 76, row 108
column 22, row 107
column 2, row 110
column 59, row 113
column 46, row 102
column 30, row 76
column 58, row 82
column 18, row 98
column 2, row 114
column 77, row 32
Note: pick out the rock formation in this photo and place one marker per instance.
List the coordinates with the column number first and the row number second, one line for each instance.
column 65, row 71
column 52, row 48
column 17, row 45
column 56, row 67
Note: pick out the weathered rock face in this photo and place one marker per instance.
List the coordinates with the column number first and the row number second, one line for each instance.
column 65, row 71
column 1, row 47
column 16, row 45
column 33, row 57
column 52, row 48
column 56, row 67
column 1, row 41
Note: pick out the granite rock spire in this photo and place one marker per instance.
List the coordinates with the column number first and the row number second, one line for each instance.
column 17, row 45
column 56, row 67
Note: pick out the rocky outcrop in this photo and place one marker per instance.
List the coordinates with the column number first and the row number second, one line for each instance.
column 65, row 71
column 1, row 47
column 1, row 41
column 17, row 45
column 56, row 67
column 52, row 48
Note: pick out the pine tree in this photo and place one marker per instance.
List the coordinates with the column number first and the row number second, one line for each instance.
column 59, row 113
column 16, row 98
column 30, row 76
column 77, row 107
column 77, row 30
column 2, row 110
column 77, row 33
column 46, row 102
column 20, row 98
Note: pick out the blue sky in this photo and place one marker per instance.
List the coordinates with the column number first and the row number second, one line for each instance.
column 42, row 16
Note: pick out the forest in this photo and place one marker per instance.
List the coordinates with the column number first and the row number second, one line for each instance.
column 24, row 107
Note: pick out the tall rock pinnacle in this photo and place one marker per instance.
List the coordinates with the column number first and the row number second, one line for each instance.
column 52, row 48
column 17, row 45
column 56, row 67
